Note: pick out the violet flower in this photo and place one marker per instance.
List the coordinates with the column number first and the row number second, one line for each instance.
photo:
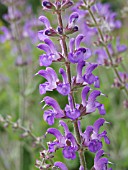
column 101, row 162
column 51, row 114
column 91, row 104
column 63, row 88
column 50, row 75
column 51, row 53
column 66, row 141
column 92, row 138
column 80, row 53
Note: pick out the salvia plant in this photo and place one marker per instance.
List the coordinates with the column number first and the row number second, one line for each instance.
column 70, row 51
column 78, row 41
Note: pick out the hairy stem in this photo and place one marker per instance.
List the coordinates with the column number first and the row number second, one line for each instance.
column 68, row 71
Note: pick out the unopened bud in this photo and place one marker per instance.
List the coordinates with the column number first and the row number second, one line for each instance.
column 67, row 5
column 71, row 30
column 48, row 5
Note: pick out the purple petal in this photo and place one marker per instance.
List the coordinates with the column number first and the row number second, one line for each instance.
column 64, row 76
column 98, row 155
column 101, row 164
column 51, row 45
column 63, row 89
column 73, row 17
column 52, row 102
column 45, row 21
column 69, row 153
column 42, row 88
column 45, row 60
column 77, row 56
column 60, row 165
column 90, row 68
column 71, row 45
column 55, row 132
column 87, row 54
column 49, row 116
column 91, row 101
column 84, row 95
column 101, row 108
column 73, row 114
column 98, row 123
column 66, row 129
column 104, row 135
column 45, row 48
column 41, row 35
column 72, row 140
column 87, row 134
column 97, row 82
column 70, row 101
column 53, row 74
column 78, row 40
column 95, row 145
column 79, row 78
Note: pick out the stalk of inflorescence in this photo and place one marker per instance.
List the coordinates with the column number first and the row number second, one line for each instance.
column 68, row 71
column 74, row 54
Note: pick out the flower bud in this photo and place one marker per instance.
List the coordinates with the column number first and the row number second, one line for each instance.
column 48, row 5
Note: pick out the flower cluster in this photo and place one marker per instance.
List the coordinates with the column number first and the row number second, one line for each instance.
column 72, row 54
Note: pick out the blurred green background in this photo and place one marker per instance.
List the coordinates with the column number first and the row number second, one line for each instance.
column 10, row 139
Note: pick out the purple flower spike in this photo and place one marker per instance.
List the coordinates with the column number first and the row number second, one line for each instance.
column 60, row 165
column 45, row 21
column 53, row 103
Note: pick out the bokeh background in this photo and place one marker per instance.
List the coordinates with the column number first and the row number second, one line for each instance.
column 17, row 78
